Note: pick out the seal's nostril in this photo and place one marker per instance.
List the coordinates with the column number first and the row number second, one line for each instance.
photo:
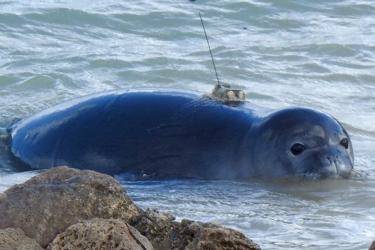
column 329, row 159
column 343, row 170
column 336, row 166
column 330, row 167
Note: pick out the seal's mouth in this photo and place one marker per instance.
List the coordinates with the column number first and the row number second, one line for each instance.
column 318, row 176
column 334, row 171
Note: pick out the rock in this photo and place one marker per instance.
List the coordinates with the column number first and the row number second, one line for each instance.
column 100, row 234
column 15, row 239
column 47, row 204
column 372, row 247
column 156, row 226
column 83, row 210
column 196, row 235
column 165, row 233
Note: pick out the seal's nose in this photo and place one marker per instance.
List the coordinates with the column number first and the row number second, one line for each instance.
column 334, row 166
column 343, row 169
column 329, row 168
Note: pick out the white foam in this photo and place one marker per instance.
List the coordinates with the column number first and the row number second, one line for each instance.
column 8, row 180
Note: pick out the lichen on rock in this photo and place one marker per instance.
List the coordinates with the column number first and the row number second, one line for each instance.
column 15, row 239
column 100, row 234
column 165, row 233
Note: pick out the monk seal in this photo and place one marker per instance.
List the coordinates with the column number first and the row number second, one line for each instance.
column 169, row 134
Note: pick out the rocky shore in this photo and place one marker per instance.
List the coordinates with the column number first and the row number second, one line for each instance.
column 65, row 208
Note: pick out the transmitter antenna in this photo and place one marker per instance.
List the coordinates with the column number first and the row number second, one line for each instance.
column 223, row 92
column 209, row 49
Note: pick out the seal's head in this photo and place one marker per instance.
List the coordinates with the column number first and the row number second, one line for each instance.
column 302, row 142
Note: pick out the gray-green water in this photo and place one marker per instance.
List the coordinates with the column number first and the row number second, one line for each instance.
column 319, row 54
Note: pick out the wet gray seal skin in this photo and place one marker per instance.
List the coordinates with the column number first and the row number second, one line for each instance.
column 182, row 135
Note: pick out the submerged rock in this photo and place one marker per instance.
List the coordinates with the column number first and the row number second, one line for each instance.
column 47, row 204
column 15, row 239
column 165, row 233
column 100, row 234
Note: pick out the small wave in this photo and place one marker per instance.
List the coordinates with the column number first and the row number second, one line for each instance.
column 353, row 10
column 11, row 20
column 37, row 82
column 358, row 130
column 67, row 16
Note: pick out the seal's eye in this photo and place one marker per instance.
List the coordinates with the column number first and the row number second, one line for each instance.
column 297, row 148
column 345, row 143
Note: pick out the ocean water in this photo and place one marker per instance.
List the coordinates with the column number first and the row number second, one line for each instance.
column 317, row 54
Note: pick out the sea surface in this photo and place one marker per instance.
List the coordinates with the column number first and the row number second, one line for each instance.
column 317, row 54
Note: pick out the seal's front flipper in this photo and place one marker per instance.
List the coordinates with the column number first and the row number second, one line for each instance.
column 4, row 134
